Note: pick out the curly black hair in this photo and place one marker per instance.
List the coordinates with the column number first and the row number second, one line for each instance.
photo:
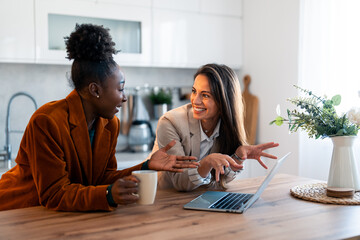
column 90, row 42
column 92, row 49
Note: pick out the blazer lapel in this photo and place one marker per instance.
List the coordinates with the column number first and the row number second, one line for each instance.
column 80, row 135
column 194, row 128
column 101, row 148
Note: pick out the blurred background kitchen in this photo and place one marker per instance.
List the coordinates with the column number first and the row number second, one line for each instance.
column 162, row 42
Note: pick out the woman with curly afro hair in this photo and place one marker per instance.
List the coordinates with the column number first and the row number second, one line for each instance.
column 66, row 160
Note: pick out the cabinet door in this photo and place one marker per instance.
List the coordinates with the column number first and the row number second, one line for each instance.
column 183, row 5
column 55, row 20
column 185, row 39
column 17, row 35
column 222, row 7
column 139, row 3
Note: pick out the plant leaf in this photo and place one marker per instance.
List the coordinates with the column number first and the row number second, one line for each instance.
column 279, row 120
column 341, row 132
column 336, row 100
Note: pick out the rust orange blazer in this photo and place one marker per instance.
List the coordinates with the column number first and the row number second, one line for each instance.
column 56, row 166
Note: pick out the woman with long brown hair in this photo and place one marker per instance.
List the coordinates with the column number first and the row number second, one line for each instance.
column 211, row 128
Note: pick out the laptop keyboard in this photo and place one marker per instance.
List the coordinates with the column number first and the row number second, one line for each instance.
column 231, row 201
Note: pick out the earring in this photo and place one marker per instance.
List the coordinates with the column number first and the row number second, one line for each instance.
column 97, row 96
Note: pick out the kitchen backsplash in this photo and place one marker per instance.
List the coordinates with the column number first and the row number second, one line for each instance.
column 49, row 82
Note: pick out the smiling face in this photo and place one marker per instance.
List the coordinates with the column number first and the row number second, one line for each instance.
column 112, row 95
column 203, row 102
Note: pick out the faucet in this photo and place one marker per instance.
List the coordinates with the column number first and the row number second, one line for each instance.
column 7, row 149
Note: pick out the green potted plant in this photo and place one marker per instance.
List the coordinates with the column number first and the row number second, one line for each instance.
column 161, row 99
column 317, row 116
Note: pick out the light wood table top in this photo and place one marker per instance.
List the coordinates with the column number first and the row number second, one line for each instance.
column 276, row 215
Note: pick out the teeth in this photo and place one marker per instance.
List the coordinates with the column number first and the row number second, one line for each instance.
column 199, row 109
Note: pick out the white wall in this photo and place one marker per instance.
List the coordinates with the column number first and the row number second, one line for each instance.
column 271, row 39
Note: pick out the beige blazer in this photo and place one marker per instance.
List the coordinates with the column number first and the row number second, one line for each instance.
column 179, row 125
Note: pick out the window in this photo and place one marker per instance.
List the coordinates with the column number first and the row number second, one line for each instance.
column 329, row 58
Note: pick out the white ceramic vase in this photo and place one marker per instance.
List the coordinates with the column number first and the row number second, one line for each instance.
column 344, row 172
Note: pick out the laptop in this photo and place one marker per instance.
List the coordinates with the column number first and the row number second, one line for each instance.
column 230, row 201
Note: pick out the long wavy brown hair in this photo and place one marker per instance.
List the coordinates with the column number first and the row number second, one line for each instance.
column 226, row 90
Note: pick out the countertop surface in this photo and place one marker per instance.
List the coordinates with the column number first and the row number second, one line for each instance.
column 129, row 159
column 276, row 215
column 124, row 160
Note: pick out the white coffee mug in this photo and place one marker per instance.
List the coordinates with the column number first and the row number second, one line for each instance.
column 147, row 186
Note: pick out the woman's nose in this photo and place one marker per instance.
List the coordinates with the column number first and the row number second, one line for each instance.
column 124, row 98
column 197, row 99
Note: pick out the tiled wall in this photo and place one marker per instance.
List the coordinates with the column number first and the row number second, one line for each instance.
column 49, row 82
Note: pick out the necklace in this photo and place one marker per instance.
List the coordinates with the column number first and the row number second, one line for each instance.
column 209, row 130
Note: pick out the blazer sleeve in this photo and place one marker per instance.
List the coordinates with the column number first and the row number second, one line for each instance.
column 166, row 132
column 49, row 171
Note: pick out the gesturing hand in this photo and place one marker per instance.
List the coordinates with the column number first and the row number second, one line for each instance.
column 161, row 161
column 124, row 190
column 218, row 162
column 256, row 151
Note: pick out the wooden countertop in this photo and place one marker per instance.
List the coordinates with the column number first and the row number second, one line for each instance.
column 129, row 159
column 276, row 215
column 124, row 160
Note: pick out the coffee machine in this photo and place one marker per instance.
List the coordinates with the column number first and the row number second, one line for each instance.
column 141, row 136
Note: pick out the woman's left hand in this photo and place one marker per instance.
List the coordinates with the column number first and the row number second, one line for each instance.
column 256, row 151
column 161, row 161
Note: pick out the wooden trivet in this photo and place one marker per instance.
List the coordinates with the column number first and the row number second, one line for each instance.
column 340, row 192
column 317, row 193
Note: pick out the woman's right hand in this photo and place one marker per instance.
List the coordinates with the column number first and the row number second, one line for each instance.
column 256, row 152
column 218, row 162
column 124, row 190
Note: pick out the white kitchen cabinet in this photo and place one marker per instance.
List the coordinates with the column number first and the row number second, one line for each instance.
column 163, row 33
column 218, row 7
column 130, row 28
column 183, row 5
column 222, row 7
column 17, row 42
column 139, row 3
column 185, row 39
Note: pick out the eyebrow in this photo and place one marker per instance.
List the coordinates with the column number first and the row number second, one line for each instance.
column 206, row 92
column 203, row 91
